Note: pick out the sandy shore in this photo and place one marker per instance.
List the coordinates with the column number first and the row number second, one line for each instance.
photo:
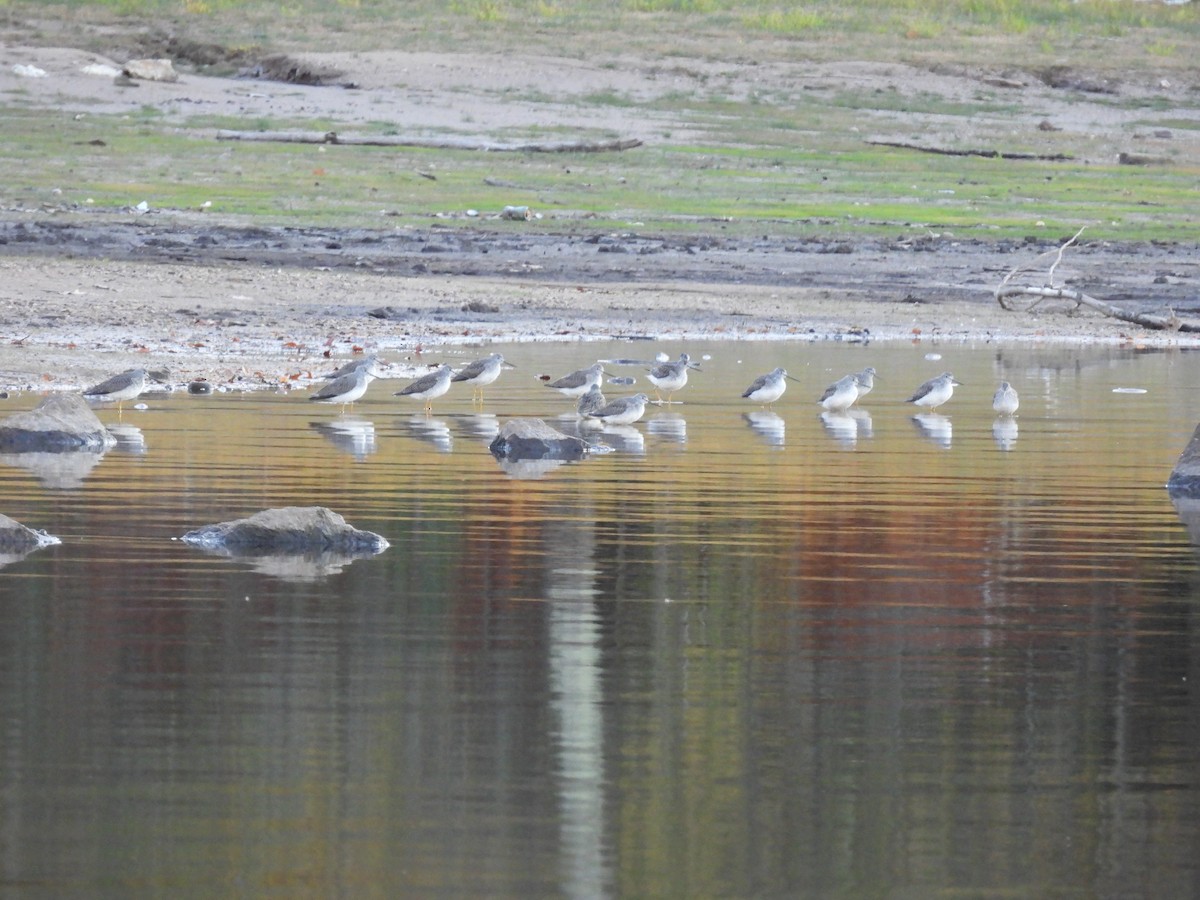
column 68, row 322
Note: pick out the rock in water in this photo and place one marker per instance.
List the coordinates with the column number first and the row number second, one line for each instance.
column 534, row 439
column 17, row 538
column 1185, row 477
column 61, row 422
column 290, row 529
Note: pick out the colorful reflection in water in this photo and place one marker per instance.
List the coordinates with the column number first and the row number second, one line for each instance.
column 751, row 652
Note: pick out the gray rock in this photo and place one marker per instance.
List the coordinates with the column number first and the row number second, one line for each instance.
column 521, row 439
column 19, row 539
column 60, row 423
column 1185, row 477
column 288, row 530
column 150, row 70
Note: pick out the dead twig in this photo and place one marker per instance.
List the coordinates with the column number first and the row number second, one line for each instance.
column 1006, row 292
column 987, row 154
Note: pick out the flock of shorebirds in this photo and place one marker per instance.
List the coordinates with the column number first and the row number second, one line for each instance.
column 350, row 382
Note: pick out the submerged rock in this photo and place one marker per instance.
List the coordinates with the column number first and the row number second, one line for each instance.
column 523, row 439
column 60, row 423
column 17, row 540
column 1185, row 477
column 288, row 530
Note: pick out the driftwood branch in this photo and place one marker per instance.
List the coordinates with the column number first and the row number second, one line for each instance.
column 1007, row 292
column 989, row 154
column 332, row 137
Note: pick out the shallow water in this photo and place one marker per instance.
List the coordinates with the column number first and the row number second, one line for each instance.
column 748, row 653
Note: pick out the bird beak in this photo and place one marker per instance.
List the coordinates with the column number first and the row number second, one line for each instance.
column 510, row 365
column 791, row 378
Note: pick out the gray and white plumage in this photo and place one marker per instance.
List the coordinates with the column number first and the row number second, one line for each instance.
column 482, row 372
column 579, row 382
column 768, row 388
column 934, row 392
column 591, row 401
column 866, row 381
column 670, row 376
column 428, row 387
column 371, row 361
column 350, row 386
column 840, row 395
column 119, row 388
column 1005, row 401
column 623, row 411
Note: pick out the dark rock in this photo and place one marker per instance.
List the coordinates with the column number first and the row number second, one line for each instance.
column 290, row 529
column 199, row 386
column 534, row 439
column 1185, row 477
column 16, row 538
column 60, row 423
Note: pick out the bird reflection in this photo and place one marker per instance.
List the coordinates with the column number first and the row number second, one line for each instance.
column 350, row 435
column 431, row 431
column 935, row 427
column 767, row 425
column 1004, row 432
column 671, row 427
column 129, row 439
column 623, row 438
column 847, row 427
column 479, row 426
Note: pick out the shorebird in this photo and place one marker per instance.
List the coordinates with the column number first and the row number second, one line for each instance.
column 481, row 373
column 934, row 392
column 624, row 411
column 427, row 387
column 1006, row 401
column 350, row 385
column 670, row 376
column 840, row 395
column 591, row 401
column 866, row 381
column 578, row 383
column 372, row 360
column 768, row 388
column 119, row 388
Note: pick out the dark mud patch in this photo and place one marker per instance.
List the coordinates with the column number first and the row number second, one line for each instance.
column 1145, row 275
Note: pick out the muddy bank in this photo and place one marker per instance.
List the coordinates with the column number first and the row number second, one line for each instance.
column 273, row 307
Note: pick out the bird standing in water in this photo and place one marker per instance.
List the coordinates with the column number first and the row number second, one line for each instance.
column 428, row 387
column 579, row 382
column 934, row 392
column 670, row 376
column 1005, row 401
column 768, row 388
column 840, row 395
column 126, row 386
column 623, row 411
column 481, row 373
column 350, row 385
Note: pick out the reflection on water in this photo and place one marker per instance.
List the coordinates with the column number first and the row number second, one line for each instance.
column 746, row 653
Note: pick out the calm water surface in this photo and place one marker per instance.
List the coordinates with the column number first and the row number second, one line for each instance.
column 748, row 653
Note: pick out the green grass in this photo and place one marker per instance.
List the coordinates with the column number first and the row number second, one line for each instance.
column 785, row 159
column 788, row 190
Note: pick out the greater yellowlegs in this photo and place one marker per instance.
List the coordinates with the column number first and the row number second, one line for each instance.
column 578, row 383
column 866, row 382
column 670, row 376
column 591, row 401
column 623, row 411
column 428, row 387
column 371, row 361
column 1005, row 402
column 126, row 386
column 768, row 388
column 934, row 392
column 482, row 372
column 350, row 385
column 840, row 395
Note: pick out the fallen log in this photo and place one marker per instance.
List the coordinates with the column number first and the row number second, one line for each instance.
column 1006, row 292
column 989, row 154
column 386, row 140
